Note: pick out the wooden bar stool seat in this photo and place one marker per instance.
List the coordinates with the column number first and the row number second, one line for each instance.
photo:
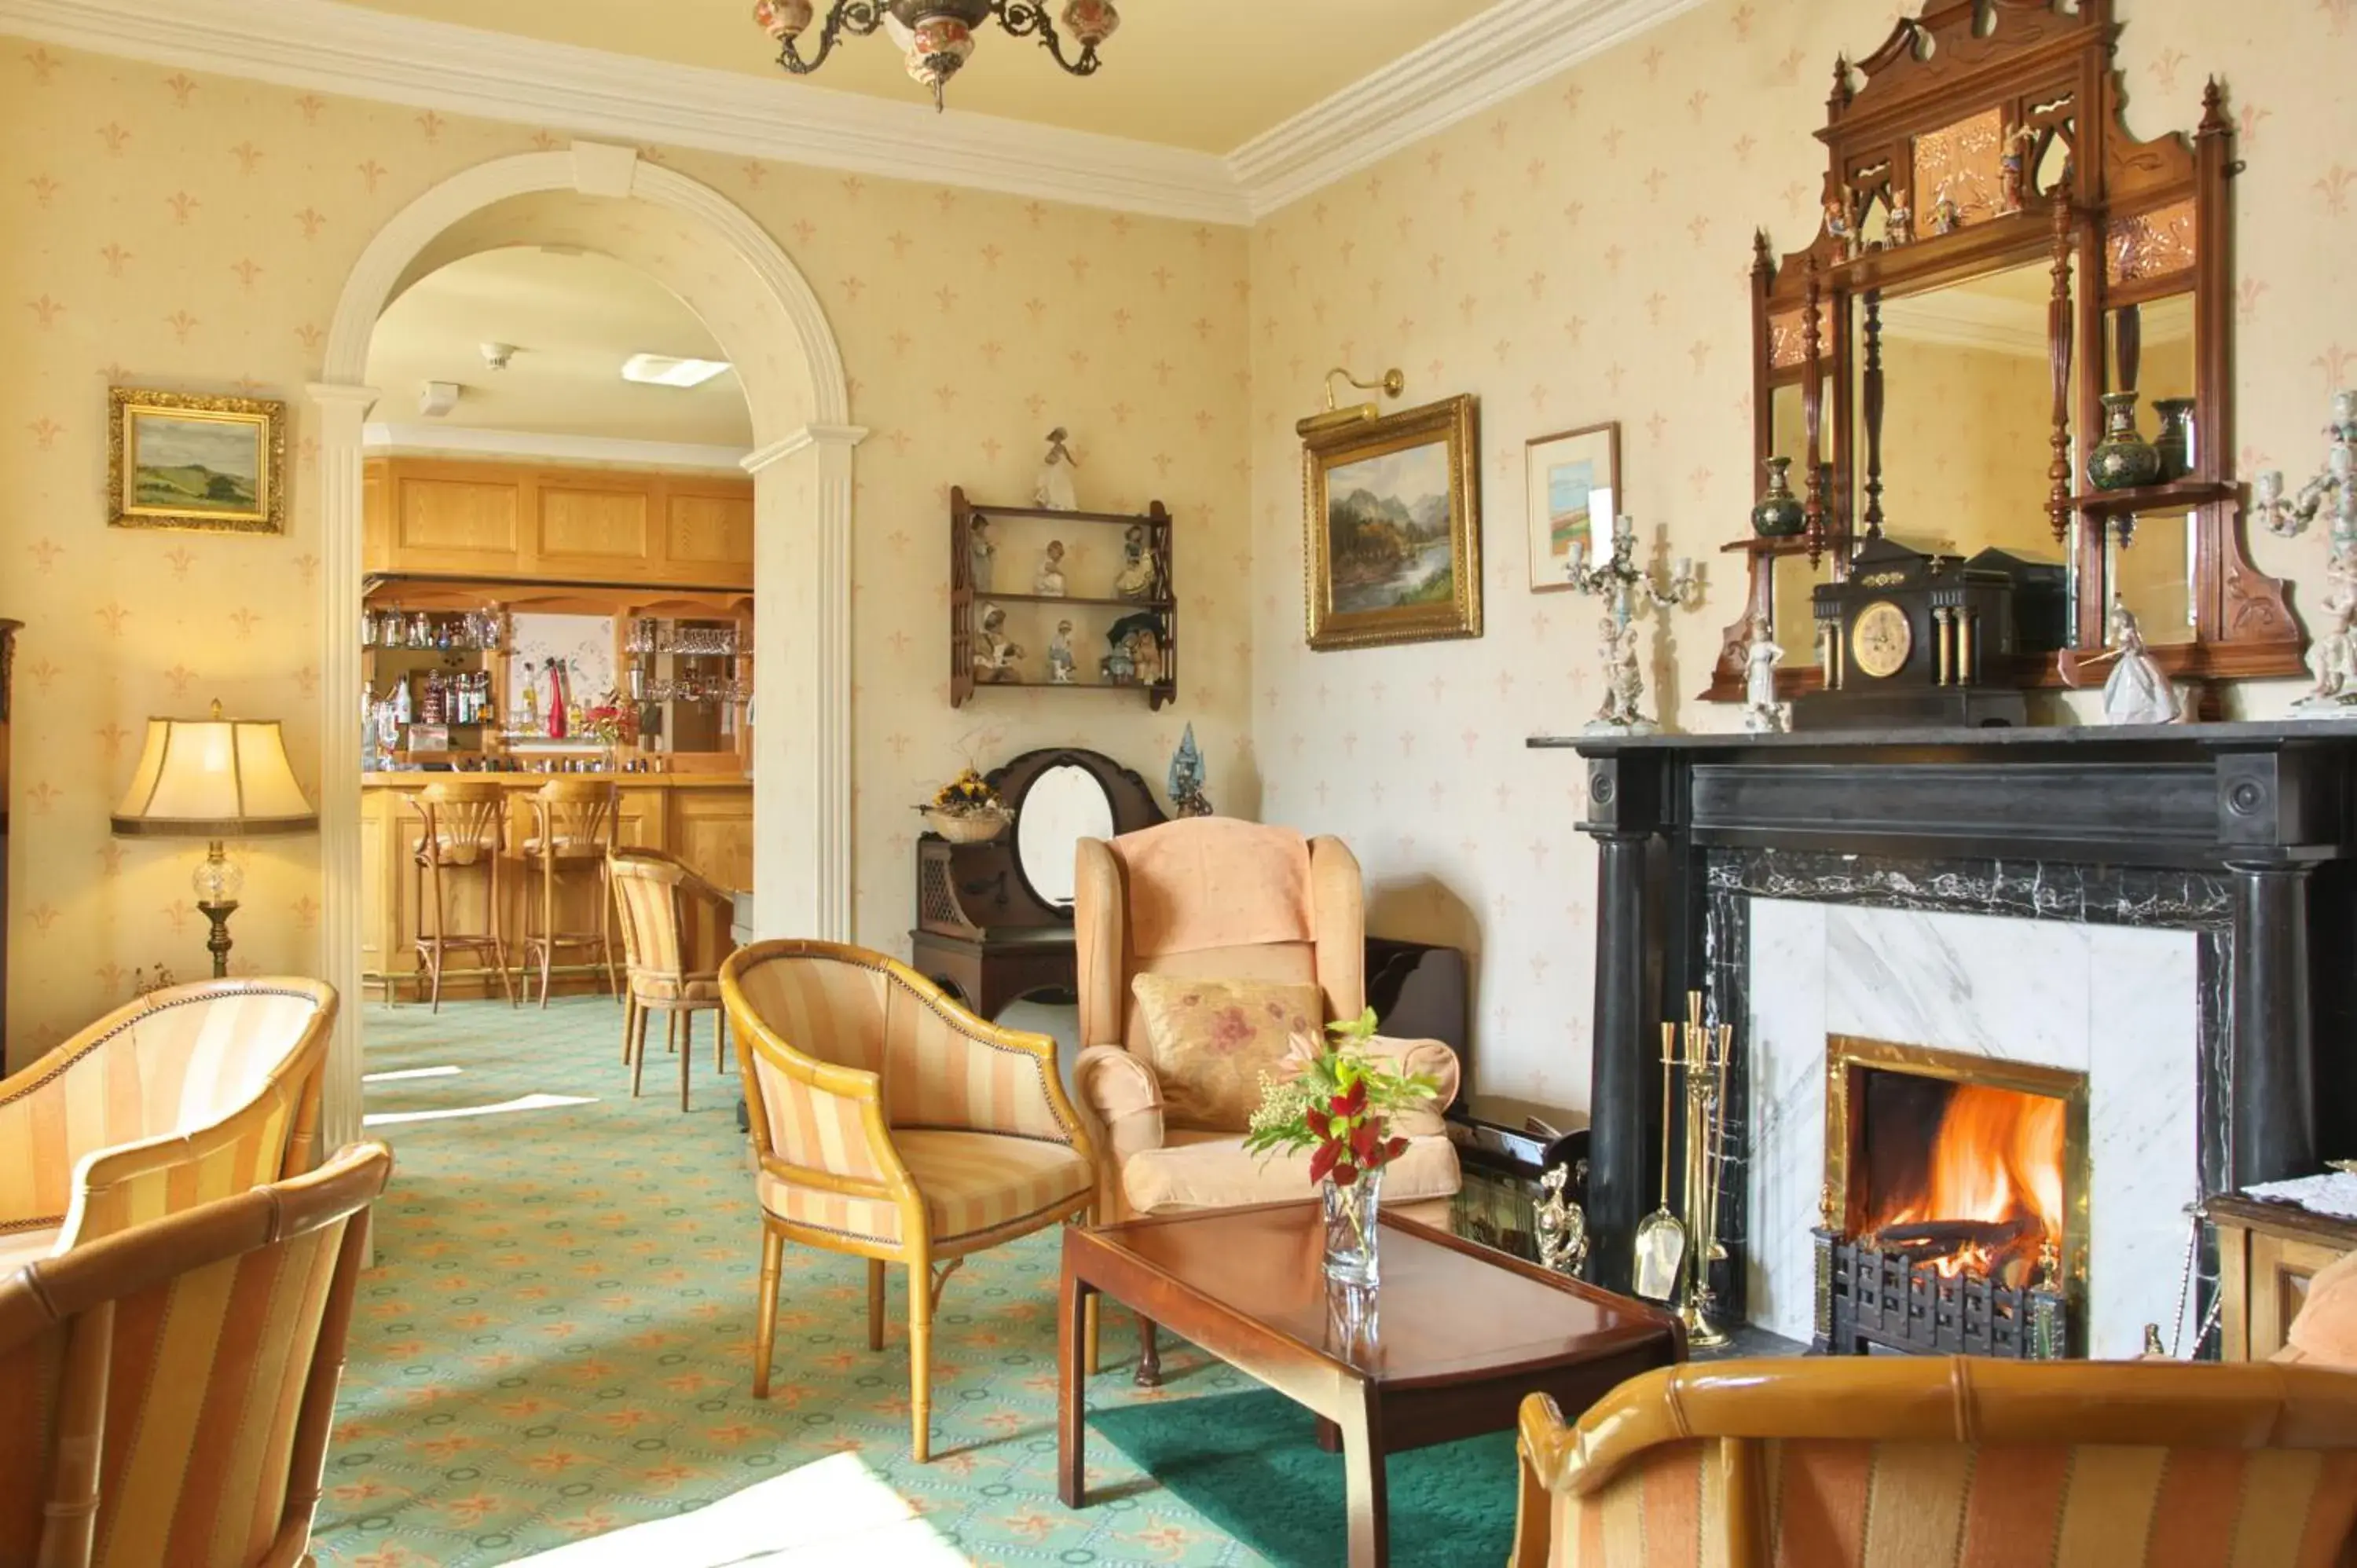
column 462, row 829
column 575, row 824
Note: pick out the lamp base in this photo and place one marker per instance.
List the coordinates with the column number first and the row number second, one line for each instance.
column 218, row 943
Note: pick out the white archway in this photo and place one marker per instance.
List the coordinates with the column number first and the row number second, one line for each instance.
column 801, row 485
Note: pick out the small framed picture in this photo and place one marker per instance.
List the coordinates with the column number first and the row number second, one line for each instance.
column 181, row 460
column 1571, row 477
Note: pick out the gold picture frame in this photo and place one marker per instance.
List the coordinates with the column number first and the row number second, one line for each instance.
column 1562, row 475
column 184, row 460
column 1393, row 570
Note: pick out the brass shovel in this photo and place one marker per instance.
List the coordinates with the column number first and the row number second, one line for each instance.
column 1660, row 1240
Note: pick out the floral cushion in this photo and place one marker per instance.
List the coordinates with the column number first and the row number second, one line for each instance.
column 1209, row 1041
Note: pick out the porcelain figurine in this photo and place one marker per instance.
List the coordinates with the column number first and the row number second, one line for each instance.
column 1562, row 1224
column 1060, row 663
column 1054, row 492
column 1137, row 578
column 983, row 564
column 2137, row 693
column 1837, row 223
column 1902, row 228
column 1946, row 215
column 995, row 656
column 1049, row 581
column 1185, row 780
column 1625, row 589
column 2014, row 166
column 1762, row 713
column 2332, row 656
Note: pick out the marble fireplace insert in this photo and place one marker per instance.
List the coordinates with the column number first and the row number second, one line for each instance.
column 2169, row 911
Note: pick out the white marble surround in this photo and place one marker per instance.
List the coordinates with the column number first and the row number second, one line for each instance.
column 2119, row 1004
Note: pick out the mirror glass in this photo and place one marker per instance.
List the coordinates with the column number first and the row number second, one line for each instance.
column 1064, row 805
column 2152, row 573
column 2149, row 351
column 1795, row 619
column 1967, row 426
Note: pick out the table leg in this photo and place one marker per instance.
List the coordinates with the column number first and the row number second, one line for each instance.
column 1362, row 1420
column 1072, row 1389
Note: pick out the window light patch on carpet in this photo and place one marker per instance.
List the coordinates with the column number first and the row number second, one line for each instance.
column 528, row 1103
column 405, row 1074
column 832, row 1513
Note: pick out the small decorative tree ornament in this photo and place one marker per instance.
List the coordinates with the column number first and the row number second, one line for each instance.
column 1629, row 588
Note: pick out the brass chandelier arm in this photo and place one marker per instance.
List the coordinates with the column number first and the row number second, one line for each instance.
column 1022, row 17
column 857, row 17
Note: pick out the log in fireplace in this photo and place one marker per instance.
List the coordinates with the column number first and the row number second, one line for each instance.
column 1954, row 1214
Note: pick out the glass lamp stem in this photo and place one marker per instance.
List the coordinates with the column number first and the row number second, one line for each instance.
column 217, row 911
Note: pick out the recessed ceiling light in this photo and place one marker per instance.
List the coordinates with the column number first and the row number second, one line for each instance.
column 663, row 370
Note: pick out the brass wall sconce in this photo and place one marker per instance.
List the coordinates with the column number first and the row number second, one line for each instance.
column 1391, row 384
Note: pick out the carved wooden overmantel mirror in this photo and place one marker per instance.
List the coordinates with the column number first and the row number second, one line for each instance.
column 1997, row 254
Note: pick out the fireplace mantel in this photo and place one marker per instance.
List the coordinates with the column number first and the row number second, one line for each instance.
column 2054, row 819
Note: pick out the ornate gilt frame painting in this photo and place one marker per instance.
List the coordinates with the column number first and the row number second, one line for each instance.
column 183, row 460
column 1391, row 519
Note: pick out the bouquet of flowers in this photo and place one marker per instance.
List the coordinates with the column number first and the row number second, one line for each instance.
column 1337, row 1102
column 613, row 723
column 966, row 810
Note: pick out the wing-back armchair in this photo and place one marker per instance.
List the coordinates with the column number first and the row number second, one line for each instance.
column 167, row 1393
column 190, row 1093
column 891, row 1123
column 1893, row 1461
column 1216, row 900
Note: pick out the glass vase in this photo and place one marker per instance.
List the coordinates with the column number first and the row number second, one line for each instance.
column 1351, row 1214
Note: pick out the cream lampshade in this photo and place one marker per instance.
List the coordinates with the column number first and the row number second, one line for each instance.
column 214, row 779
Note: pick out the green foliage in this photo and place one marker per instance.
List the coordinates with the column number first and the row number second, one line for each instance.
column 1340, row 1104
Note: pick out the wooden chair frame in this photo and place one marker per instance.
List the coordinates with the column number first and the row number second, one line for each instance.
column 919, row 1252
column 464, row 813
column 643, row 977
column 583, row 812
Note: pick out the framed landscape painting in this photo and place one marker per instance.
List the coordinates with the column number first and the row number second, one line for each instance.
column 1393, row 527
column 1569, row 474
column 178, row 460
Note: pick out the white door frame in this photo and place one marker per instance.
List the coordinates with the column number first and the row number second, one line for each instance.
column 801, row 499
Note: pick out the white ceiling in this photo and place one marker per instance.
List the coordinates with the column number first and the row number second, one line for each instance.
column 572, row 317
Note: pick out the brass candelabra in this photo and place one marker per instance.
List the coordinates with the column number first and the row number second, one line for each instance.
column 1697, row 1052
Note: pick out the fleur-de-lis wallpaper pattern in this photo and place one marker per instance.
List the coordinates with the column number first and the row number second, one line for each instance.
column 195, row 233
column 1575, row 253
column 1581, row 252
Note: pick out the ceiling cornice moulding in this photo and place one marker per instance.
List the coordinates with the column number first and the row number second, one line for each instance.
column 603, row 451
column 325, row 47
column 319, row 46
column 1507, row 48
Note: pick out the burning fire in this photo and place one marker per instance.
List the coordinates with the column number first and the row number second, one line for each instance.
column 1991, row 1194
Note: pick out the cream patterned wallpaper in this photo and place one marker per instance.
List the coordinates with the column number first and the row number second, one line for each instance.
column 194, row 233
column 1579, row 254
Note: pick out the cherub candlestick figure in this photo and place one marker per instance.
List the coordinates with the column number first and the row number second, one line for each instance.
column 1626, row 587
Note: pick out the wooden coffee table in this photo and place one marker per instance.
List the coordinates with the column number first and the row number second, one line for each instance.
column 1461, row 1335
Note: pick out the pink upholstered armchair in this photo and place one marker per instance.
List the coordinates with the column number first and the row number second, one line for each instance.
column 1216, row 901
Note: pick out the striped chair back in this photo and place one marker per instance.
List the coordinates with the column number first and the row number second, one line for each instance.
column 1889, row 1462
column 675, row 925
column 219, row 1080
column 166, row 1395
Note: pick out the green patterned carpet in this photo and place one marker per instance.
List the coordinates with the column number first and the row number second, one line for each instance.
column 556, row 1342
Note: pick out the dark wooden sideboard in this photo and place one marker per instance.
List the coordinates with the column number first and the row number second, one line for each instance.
column 7, row 671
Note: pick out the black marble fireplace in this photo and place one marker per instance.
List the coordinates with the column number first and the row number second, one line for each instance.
column 2241, row 834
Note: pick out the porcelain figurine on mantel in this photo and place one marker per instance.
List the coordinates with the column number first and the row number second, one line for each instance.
column 2335, row 484
column 1626, row 587
column 1054, row 492
column 1049, row 582
column 2138, row 692
column 2332, row 656
column 1762, row 713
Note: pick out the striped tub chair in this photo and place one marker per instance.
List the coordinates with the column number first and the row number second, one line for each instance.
column 892, row 1125
column 190, row 1093
column 166, row 1393
column 1893, row 1463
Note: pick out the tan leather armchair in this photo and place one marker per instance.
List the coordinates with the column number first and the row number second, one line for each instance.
column 1892, row 1463
column 1218, row 899
column 167, row 1393
column 891, row 1123
column 190, row 1093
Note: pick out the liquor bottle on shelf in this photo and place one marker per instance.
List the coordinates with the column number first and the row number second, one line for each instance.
column 435, row 709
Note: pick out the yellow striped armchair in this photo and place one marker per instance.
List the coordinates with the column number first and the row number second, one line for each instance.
column 1896, row 1461
column 892, row 1125
column 190, row 1093
column 166, row 1393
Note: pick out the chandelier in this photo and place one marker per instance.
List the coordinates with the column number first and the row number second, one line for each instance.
column 936, row 36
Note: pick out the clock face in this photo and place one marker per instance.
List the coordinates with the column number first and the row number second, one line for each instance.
column 1880, row 640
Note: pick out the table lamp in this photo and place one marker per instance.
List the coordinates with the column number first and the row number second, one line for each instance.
column 214, row 779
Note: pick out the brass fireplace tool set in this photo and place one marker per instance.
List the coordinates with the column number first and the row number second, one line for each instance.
column 1674, row 1254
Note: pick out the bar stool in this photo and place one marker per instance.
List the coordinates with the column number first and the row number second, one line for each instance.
column 462, row 829
column 574, row 825
column 676, row 931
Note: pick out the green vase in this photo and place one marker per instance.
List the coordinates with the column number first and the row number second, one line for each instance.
column 2124, row 459
column 1780, row 514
